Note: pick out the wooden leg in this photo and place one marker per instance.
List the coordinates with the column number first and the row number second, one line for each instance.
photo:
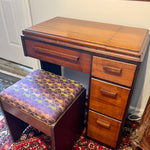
column 15, row 125
column 69, row 126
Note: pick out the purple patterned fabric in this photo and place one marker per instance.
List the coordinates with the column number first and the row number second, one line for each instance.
column 42, row 94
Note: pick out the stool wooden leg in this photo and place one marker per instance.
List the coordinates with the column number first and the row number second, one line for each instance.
column 69, row 126
column 15, row 125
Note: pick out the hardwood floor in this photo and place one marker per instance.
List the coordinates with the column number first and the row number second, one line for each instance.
column 13, row 69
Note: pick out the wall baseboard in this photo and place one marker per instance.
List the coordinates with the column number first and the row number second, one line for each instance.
column 136, row 111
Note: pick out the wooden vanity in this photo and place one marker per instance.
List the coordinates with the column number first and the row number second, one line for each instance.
column 111, row 54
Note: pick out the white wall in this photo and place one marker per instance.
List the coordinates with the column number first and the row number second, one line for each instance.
column 122, row 12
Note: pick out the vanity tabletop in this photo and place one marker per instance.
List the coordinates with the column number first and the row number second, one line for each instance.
column 99, row 37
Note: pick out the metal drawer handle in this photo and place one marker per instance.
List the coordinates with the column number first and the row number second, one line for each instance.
column 112, row 70
column 103, row 123
column 56, row 54
column 108, row 93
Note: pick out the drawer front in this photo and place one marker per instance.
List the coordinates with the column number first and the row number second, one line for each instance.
column 108, row 99
column 115, row 71
column 103, row 128
column 58, row 55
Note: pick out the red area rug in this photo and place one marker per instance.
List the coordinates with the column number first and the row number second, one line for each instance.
column 35, row 140
column 5, row 138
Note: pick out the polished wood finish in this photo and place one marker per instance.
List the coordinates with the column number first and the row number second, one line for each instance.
column 114, row 71
column 108, row 99
column 111, row 54
column 69, row 127
column 103, row 128
column 101, row 38
column 59, row 55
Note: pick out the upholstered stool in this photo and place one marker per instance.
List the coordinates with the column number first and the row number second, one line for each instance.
column 48, row 102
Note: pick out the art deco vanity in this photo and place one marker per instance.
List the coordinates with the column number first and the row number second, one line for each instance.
column 111, row 54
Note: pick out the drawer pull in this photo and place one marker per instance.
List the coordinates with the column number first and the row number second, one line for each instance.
column 108, row 93
column 112, row 70
column 56, row 54
column 103, row 123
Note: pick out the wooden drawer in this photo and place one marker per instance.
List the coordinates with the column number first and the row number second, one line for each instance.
column 115, row 71
column 108, row 99
column 58, row 55
column 103, row 128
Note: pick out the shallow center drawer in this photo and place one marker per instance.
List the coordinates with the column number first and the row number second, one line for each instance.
column 58, row 55
column 108, row 98
column 115, row 71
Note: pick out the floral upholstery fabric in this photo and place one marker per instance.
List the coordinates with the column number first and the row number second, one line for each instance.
column 42, row 94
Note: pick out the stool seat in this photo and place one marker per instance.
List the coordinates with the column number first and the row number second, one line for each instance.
column 50, row 103
column 42, row 94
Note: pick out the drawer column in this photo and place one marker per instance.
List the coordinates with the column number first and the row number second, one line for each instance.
column 110, row 87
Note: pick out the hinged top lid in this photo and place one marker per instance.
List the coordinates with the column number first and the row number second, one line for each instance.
column 99, row 38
